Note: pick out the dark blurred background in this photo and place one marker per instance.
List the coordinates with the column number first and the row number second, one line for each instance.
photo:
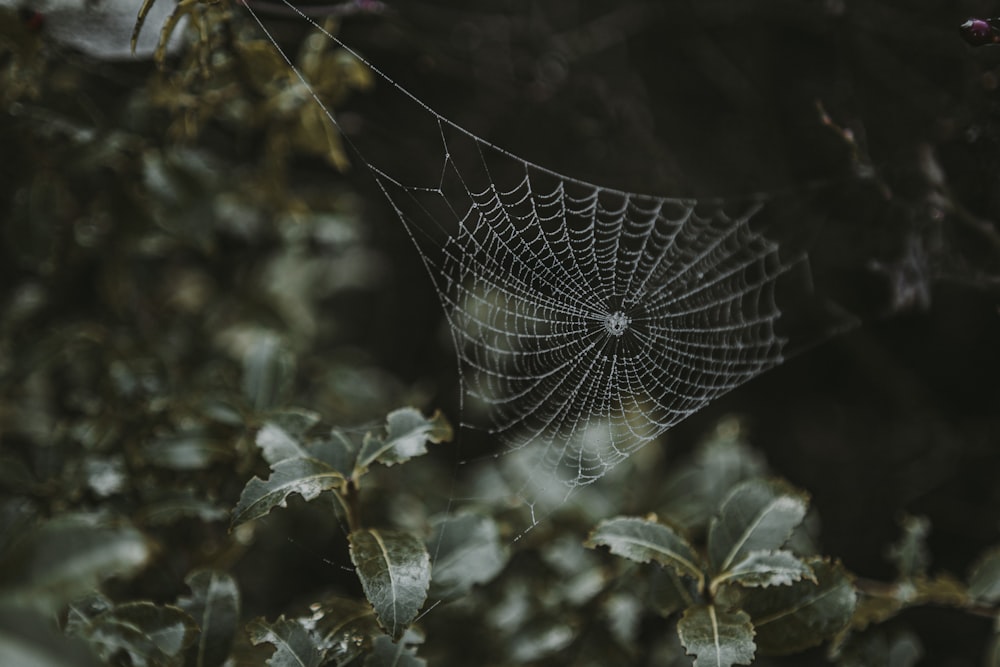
column 883, row 104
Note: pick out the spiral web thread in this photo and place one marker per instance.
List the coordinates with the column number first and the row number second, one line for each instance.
column 587, row 320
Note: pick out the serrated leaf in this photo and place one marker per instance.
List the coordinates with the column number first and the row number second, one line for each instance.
column 345, row 625
column 67, row 557
column 793, row 618
column 766, row 568
column 276, row 444
column 395, row 572
column 910, row 554
column 294, row 645
column 467, row 551
column 407, row 434
column 386, row 653
column 642, row 540
column 717, row 638
column 758, row 515
column 984, row 580
column 150, row 634
column 214, row 604
column 306, row 477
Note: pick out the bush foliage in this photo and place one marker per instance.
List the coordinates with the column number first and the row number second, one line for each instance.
column 202, row 465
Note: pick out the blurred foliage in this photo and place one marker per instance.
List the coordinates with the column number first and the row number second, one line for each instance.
column 200, row 465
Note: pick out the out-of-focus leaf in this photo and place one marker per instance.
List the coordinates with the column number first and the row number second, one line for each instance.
column 17, row 515
column 992, row 658
column 539, row 640
column 643, row 540
column 793, row 618
column 878, row 647
column 28, row 639
column 395, row 572
column 154, row 635
column 276, row 444
column 296, row 422
column 910, row 554
column 717, row 638
column 180, row 505
column 268, row 367
column 186, row 451
column 767, row 568
column 106, row 476
column 338, row 450
column 984, row 580
column 407, row 433
column 307, row 477
column 67, row 557
column 465, row 550
column 15, row 476
column 693, row 492
column 667, row 592
column 623, row 614
column 215, row 606
column 757, row 515
column 294, row 646
column 386, row 653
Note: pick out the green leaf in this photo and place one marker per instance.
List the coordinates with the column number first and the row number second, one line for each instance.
column 395, row 572
column 407, row 434
column 717, row 638
column 984, row 580
column 766, row 568
column 338, row 450
column 643, row 540
column 295, row 646
column 467, row 551
column 910, row 554
column 793, row 618
column 386, row 653
column 296, row 422
column 758, row 515
column 307, row 477
column 345, row 625
column 667, row 593
column 693, row 492
column 215, row 606
column 150, row 634
column 276, row 444
column 268, row 366
column 67, row 557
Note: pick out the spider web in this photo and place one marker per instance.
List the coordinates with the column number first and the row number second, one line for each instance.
column 587, row 320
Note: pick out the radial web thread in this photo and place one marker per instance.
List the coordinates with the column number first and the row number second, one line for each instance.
column 587, row 320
